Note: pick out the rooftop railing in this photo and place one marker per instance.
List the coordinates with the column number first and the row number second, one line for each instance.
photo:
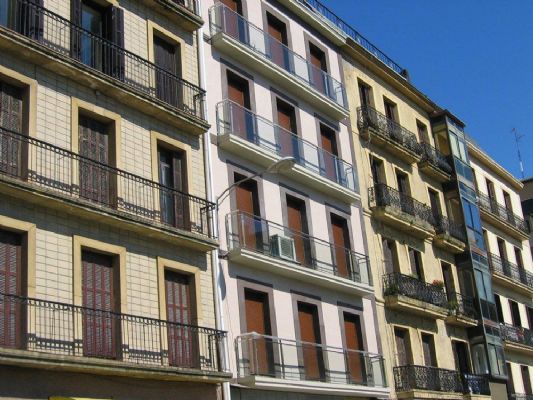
column 235, row 120
column 502, row 213
column 368, row 117
column 395, row 284
column 445, row 225
column 514, row 272
column 516, row 334
column 435, row 158
column 69, row 40
column 249, row 232
column 274, row 357
column 56, row 170
column 67, row 330
column 223, row 19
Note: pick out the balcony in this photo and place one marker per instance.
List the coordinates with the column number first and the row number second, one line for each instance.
column 520, row 396
column 388, row 134
column 258, row 243
column 435, row 164
column 401, row 211
column 517, row 339
column 409, row 294
column 47, row 334
column 511, row 275
column 267, row 362
column 66, row 49
column 182, row 12
column 248, row 135
column 419, row 379
column 461, row 311
column 450, row 235
column 39, row 172
column 251, row 46
column 501, row 217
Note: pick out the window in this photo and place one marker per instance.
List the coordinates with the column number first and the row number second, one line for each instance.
column 499, row 309
column 173, row 177
column 490, row 189
column 390, row 109
column 434, row 201
column 403, row 182
column 167, row 57
column 286, row 118
column 247, row 203
column 341, row 241
column 318, row 74
column 473, row 223
column 403, row 347
column 515, row 313
column 390, row 257
column 313, row 356
column 278, row 47
column 354, row 342
column 507, row 202
column 422, row 130
column 428, row 349
column 518, row 257
column 462, row 359
column 502, row 249
column 415, row 259
column 524, row 369
column 448, row 280
column 297, row 222
column 377, row 170
column 234, row 24
column 365, row 94
column 239, row 96
column 11, row 121
column 328, row 143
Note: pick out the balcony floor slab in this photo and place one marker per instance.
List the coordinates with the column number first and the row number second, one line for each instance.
column 461, row 320
column 418, row 307
column 449, row 243
column 383, row 141
column 503, row 225
column 418, row 394
column 510, row 283
column 403, row 221
column 518, row 348
column 434, row 172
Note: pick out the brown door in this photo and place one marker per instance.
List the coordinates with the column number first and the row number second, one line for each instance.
column 96, row 178
column 406, row 202
column 287, row 141
column 258, row 321
column 319, row 69
column 99, row 321
column 329, row 156
column 167, row 60
column 182, row 340
column 278, row 41
column 354, row 345
column 297, row 222
column 233, row 22
column 402, row 348
column 428, row 348
column 11, row 111
column 313, row 357
column 241, row 118
column 173, row 180
column 342, row 252
column 249, row 220
column 10, row 287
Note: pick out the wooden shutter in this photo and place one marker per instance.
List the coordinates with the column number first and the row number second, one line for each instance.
column 114, row 61
column 10, row 287
column 515, row 313
column 400, row 336
column 342, row 253
column 75, row 33
column 297, row 222
column 99, row 321
column 313, row 359
column 182, row 340
column 414, row 260
column 526, row 379
column 166, row 57
column 258, row 320
column 461, row 357
column 388, row 255
column 428, row 348
column 181, row 201
column 250, row 227
column 448, row 280
column 318, row 73
column 354, row 342
column 232, row 23
column 278, row 40
column 288, row 144
column 242, row 122
column 11, row 119
column 329, row 160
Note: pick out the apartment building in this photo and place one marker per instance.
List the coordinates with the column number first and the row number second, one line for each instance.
column 297, row 290
column 506, row 235
column 526, row 197
column 105, row 230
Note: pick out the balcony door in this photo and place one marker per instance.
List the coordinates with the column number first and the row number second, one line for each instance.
column 462, row 358
column 96, row 178
column 341, row 248
column 389, row 256
column 515, row 314
column 100, row 324
column 287, row 137
column 242, row 122
column 319, row 68
column 434, row 202
column 182, row 339
column 330, row 164
column 173, row 180
column 524, row 369
column 355, row 359
column 233, row 22
column 428, row 349
column 297, row 223
column 11, row 323
column 278, row 41
column 311, row 355
column 167, row 58
column 404, row 197
column 11, row 121
column 261, row 350
column 448, row 281
column 249, row 220
column 401, row 337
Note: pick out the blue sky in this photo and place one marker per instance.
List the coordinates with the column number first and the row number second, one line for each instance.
column 472, row 57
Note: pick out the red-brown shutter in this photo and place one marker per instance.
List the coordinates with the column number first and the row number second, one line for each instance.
column 329, row 144
column 278, row 40
column 258, row 321
column 428, row 349
column 318, row 60
column 341, row 242
column 313, row 358
column 250, row 227
column 242, row 123
column 287, row 120
column 10, row 287
column 231, row 18
column 181, row 202
column 354, row 341
column 400, row 336
column 166, row 56
column 297, row 221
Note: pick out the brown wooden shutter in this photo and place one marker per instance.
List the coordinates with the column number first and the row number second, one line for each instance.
column 99, row 321
column 388, row 255
column 329, row 144
column 278, row 40
column 181, row 201
column 11, row 121
column 313, row 358
column 249, row 223
column 297, row 222
column 10, row 287
column 258, row 321
column 400, row 336
column 232, row 23
column 166, row 57
column 526, row 379
column 341, row 241
column 114, row 61
column 318, row 61
column 428, row 348
column 354, row 341
column 287, row 142
column 242, row 121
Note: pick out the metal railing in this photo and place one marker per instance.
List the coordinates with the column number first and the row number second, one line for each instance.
column 368, row 117
column 249, row 232
column 435, row 158
column 188, row 4
column 520, row 396
column 504, row 267
column 395, row 284
column 344, row 27
column 461, row 305
column 382, row 195
column 68, row 330
column 232, row 119
column 516, row 334
column 53, row 169
column 69, row 40
column 476, row 384
column 444, row 225
column 501, row 212
column 275, row 357
column 412, row 377
column 224, row 20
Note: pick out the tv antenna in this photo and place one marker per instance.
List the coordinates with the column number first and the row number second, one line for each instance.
column 517, row 137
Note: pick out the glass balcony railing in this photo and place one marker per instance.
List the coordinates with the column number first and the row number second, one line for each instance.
column 224, row 20
column 233, row 119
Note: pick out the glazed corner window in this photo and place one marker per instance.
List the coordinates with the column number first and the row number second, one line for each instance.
column 458, row 147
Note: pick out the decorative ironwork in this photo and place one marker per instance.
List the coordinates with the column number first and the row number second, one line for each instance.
column 435, row 158
column 249, row 232
column 368, row 117
column 412, row 377
column 303, row 361
column 223, row 19
column 476, row 384
column 516, row 334
column 382, row 195
column 232, row 119
column 69, row 40
column 188, row 4
column 445, row 225
column 502, row 213
column 68, row 330
column 53, row 169
column 461, row 305
column 520, row 396
column 514, row 272
column 396, row 283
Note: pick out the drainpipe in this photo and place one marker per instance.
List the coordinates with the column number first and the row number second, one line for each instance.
column 215, row 262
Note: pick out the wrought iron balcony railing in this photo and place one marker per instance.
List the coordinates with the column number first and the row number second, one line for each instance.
column 396, row 283
column 68, row 330
column 435, row 158
column 56, row 170
column 516, row 334
column 520, row 396
column 224, row 20
column 382, row 195
column 188, row 4
column 69, row 40
column 514, row 272
column 235, row 120
column 368, row 117
column 412, row 377
column 249, row 232
column 262, row 355
column 445, row 225
column 502, row 213
column 333, row 19
column 476, row 384
column 461, row 305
